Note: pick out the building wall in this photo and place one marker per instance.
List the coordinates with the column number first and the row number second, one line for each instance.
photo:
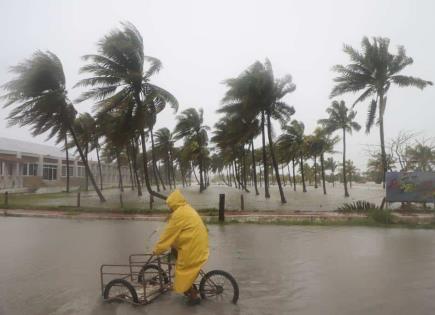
column 22, row 170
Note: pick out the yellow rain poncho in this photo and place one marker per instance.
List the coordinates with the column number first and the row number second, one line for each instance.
column 185, row 232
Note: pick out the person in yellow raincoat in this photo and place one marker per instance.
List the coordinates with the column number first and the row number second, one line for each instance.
column 185, row 232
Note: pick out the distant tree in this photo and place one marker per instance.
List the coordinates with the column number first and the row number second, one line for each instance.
column 341, row 118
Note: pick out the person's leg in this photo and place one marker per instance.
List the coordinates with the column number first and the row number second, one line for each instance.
column 193, row 296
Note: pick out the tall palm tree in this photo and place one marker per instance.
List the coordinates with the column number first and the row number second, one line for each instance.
column 341, row 118
column 256, row 93
column 41, row 97
column 155, row 105
column 122, row 81
column 375, row 70
column 190, row 126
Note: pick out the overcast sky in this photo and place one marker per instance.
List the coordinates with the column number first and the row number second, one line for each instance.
column 201, row 43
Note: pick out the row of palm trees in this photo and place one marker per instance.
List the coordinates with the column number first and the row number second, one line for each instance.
column 254, row 98
column 127, row 104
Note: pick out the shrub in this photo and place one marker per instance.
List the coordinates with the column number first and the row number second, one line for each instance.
column 357, row 206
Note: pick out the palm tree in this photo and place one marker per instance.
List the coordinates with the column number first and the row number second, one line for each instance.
column 83, row 125
column 41, row 97
column 155, row 105
column 164, row 144
column 190, row 126
column 351, row 171
column 257, row 93
column 331, row 165
column 122, row 81
column 293, row 141
column 340, row 117
column 323, row 143
column 374, row 70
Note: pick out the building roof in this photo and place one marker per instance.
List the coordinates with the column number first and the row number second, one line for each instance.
column 24, row 147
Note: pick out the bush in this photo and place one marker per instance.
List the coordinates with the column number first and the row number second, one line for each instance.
column 357, row 206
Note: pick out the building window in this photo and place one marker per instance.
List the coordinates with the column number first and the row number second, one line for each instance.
column 49, row 172
column 30, row 169
column 33, row 169
column 80, row 171
column 70, row 172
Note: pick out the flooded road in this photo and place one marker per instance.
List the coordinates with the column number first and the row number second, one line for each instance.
column 51, row 266
column 313, row 200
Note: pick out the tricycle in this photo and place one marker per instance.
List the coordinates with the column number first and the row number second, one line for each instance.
column 147, row 276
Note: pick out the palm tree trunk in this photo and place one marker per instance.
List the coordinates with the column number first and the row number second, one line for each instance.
column 244, row 170
column 118, row 162
column 135, row 168
column 196, row 177
column 315, row 171
column 67, row 163
column 323, row 172
column 289, row 175
column 275, row 165
column 304, row 188
column 201, row 178
column 240, row 186
column 382, row 104
column 265, row 173
column 145, row 167
column 168, row 173
column 346, row 193
column 294, row 174
column 153, row 155
column 254, row 167
column 283, row 175
column 173, row 167
column 85, row 162
column 86, row 171
column 129, row 167
column 261, row 179
column 99, row 165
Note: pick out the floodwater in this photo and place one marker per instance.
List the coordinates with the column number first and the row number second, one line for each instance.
column 313, row 200
column 51, row 266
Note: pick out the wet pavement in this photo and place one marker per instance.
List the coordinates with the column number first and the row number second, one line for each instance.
column 51, row 266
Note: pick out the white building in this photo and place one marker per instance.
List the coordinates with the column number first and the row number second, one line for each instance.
column 26, row 165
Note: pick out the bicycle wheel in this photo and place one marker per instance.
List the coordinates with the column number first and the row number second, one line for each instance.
column 120, row 290
column 219, row 285
column 150, row 274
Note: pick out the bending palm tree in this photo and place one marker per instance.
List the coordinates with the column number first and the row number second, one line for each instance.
column 121, row 82
column 190, row 126
column 257, row 93
column 39, row 90
column 374, row 70
column 340, row 117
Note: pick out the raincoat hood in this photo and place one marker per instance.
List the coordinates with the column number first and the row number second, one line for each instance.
column 176, row 200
